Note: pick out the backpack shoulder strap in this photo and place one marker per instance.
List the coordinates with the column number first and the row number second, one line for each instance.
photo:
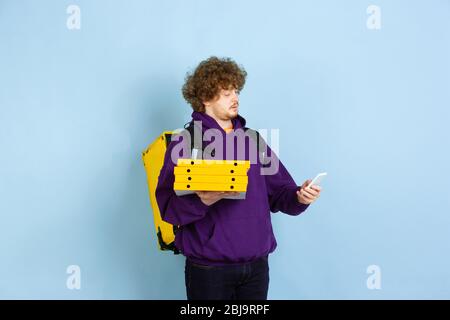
column 196, row 144
column 261, row 145
column 259, row 140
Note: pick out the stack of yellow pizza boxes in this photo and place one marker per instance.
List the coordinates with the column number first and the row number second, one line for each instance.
column 211, row 175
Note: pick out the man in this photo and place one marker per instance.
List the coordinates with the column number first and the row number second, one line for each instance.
column 227, row 241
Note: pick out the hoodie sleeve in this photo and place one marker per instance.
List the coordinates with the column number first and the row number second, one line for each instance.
column 177, row 210
column 281, row 189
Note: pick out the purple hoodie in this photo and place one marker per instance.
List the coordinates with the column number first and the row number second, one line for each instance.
column 229, row 231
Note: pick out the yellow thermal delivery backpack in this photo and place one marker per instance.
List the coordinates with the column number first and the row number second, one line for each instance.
column 153, row 158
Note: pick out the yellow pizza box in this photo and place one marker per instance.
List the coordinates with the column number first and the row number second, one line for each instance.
column 220, row 170
column 211, row 178
column 238, row 187
column 182, row 162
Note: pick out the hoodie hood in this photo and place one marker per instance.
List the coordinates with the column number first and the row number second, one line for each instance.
column 209, row 122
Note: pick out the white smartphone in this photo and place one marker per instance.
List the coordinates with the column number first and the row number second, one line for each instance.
column 317, row 179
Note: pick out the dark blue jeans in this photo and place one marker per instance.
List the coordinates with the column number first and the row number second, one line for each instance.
column 248, row 281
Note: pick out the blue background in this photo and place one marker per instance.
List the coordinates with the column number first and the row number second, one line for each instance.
column 370, row 107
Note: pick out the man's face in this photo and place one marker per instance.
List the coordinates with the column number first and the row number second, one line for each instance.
column 224, row 106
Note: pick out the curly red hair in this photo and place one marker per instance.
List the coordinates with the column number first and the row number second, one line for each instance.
column 211, row 76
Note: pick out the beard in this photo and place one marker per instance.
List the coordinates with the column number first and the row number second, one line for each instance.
column 233, row 113
column 232, row 116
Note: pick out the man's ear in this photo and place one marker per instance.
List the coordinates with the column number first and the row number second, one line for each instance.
column 206, row 105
